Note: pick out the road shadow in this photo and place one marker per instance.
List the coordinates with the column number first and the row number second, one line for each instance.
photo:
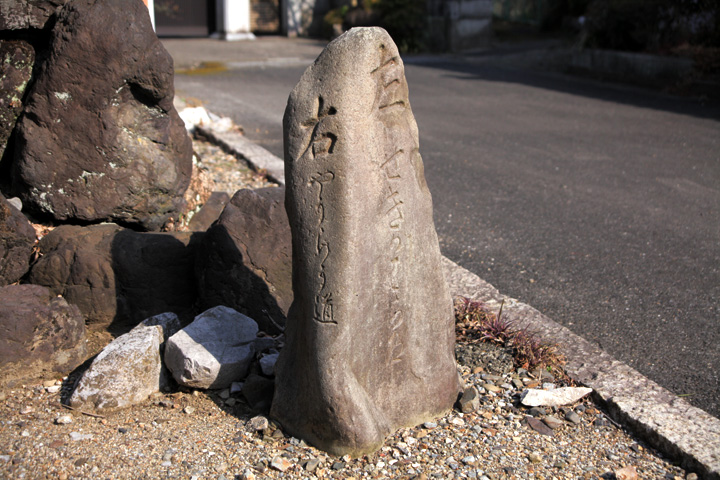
column 491, row 69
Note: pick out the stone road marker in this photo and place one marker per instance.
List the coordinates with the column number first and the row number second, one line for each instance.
column 370, row 333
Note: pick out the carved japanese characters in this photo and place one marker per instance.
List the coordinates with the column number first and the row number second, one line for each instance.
column 370, row 332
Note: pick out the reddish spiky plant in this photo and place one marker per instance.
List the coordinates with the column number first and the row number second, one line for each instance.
column 476, row 323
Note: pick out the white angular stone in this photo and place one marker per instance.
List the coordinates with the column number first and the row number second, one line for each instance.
column 63, row 420
column 214, row 350
column 77, row 436
column 194, row 116
column 125, row 373
column 554, row 398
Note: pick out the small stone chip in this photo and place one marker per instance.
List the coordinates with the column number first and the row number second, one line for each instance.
column 553, row 422
column 258, row 423
column 627, row 473
column 77, row 436
column 312, row 464
column 280, row 463
column 573, row 417
column 247, row 475
column 63, row 420
column 539, row 426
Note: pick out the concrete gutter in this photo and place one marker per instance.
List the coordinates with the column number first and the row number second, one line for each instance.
column 667, row 422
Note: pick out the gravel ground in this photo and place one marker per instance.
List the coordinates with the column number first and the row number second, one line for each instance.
column 193, row 434
column 227, row 173
column 210, row 435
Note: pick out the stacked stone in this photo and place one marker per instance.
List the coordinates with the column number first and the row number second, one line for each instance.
column 88, row 134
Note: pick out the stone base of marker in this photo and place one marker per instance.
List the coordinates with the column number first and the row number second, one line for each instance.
column 370, row 333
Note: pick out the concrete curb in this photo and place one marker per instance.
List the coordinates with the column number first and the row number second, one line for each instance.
column 665, row 421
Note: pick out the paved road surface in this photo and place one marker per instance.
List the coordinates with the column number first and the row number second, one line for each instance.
column 600, row 206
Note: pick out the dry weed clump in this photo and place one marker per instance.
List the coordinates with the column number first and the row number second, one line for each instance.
column 476, row 323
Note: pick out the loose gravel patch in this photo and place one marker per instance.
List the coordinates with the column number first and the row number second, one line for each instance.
column 227, row 172
column 210, row 435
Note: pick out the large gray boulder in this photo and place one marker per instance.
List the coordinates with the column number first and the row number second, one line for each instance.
column 17, row 238
column 128, row 370
column 118, row 277
column 99, row 138
column 370, row 333
column 40, row 334
column 215, row 350
column 245, row 258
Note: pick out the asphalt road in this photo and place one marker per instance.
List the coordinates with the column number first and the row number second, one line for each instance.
column 597, row 205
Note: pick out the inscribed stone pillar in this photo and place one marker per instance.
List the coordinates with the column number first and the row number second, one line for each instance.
column 370, row 333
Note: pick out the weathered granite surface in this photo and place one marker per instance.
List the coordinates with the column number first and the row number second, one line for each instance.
column 125, row 373
column 370, row 333
column 215, row 350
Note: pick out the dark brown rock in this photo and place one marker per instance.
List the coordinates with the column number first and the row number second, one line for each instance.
column 370, row 333
column 99, row 138
column 155, row 273
column 258, row 391
column 210, row 211
column 24, row 14
column 538, row 426
column 40, row 334
column 116, row 276
column 16, row 63
column 76, row 262
column 17, row 238
column 245, row 259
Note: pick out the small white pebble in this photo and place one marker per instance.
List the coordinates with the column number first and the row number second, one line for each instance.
column 63, row 420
